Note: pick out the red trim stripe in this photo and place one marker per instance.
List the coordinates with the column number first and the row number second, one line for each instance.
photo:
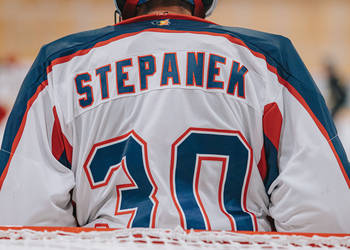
column 57, row 146
column 18, row 136
column 272, row 123
column 59, row 141
column 262, row 165
column 234, row 40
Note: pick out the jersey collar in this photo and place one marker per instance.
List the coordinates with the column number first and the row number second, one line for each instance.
column 163, row 16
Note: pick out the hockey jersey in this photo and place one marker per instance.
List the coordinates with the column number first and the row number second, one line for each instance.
column 166, row 121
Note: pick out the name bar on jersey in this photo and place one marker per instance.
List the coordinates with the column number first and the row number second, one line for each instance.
column 139, row 74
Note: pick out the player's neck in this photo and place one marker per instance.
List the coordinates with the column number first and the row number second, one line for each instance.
column 167, row 10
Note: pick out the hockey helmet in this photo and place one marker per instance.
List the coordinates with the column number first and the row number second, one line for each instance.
column 127, row 8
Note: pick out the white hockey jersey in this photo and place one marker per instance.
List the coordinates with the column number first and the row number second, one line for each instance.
column 166, row 121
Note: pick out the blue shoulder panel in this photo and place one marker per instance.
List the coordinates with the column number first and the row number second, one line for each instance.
column 31, row 82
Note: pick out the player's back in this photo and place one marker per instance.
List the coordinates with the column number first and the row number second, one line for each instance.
column 168, row 121
column 165, row 122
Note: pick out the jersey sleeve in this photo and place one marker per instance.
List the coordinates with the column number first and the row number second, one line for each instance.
column 308, row 171
column 36, row 179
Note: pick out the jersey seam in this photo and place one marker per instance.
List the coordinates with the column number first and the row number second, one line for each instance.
column 5, row 151
column 251, row 45
column 334, row 137
column 92, row 41
column 153, row 90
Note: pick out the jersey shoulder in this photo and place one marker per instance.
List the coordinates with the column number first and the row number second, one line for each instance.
column 275, row 48
column 74, row 42
column 279, row 53
column 283, row 60
column 270, row 45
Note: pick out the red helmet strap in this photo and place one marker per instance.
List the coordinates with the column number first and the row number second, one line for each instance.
column 129, row 9
column 198, row 8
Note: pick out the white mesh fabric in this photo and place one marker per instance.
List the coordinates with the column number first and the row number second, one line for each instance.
column 162, row 239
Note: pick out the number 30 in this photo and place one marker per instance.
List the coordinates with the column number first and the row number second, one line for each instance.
column 190, row 153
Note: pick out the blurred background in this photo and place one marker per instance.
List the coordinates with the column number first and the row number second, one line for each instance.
column 319, row 29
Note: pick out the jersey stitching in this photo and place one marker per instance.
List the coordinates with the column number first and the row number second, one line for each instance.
column 6, row 151
column 160, row 89
column 334, row 137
